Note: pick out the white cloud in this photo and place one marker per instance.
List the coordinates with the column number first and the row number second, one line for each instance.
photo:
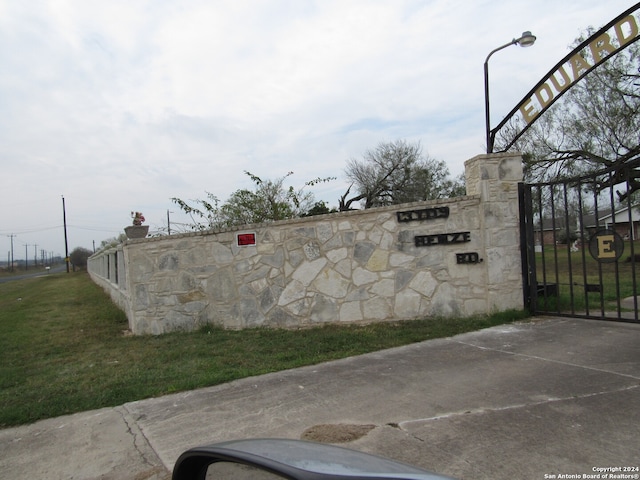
column 120, row 105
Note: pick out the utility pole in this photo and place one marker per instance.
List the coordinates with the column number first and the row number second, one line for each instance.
column 26, row 257
column 168, row 223
column 35, row 255
column 66, row 245
column 11, row 264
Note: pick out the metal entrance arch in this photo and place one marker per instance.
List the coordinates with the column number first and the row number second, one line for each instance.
column 615, row 36
column 580, row 242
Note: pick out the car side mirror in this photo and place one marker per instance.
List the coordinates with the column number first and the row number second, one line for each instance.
column 275, row 459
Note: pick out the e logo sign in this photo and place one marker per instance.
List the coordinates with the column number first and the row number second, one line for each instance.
column 606, row 246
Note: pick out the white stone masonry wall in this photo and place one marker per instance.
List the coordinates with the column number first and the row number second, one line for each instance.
column 361, row 266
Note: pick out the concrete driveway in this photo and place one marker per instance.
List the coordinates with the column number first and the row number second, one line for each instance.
column 534, row 400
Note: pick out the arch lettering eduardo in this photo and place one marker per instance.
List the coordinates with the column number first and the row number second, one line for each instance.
column 615, row 36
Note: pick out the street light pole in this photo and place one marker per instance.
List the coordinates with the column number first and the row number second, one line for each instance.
column 526, row 40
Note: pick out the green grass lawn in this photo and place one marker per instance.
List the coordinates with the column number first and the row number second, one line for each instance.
column 63, row 349
column 572, row 270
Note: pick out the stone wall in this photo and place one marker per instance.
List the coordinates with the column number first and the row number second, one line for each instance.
column 440, row 258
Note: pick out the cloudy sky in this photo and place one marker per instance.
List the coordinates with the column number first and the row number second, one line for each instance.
column 121, row 105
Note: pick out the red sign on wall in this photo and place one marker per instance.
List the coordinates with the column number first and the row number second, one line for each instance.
column 246, row 239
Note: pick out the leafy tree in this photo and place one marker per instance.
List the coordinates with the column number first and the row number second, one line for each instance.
column 269, row 201
column 319, row 208
column 113, row 241
column 458, row 186
column 596, row 124
column 79, row 257
column 397, row 172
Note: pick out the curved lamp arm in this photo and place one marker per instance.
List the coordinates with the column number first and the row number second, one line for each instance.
column 525, row 40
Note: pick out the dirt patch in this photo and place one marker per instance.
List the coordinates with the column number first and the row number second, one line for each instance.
column 338, row 433
column 156, row 473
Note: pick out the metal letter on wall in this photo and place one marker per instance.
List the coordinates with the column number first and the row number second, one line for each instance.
column 423, row 214
column 468, row 258
column 442, row 239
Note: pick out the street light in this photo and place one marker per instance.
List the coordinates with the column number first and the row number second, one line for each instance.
column 526, row 40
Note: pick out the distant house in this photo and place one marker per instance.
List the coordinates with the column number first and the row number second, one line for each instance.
column 553, row 230
column 589, row 225
column 618, row 221
column 625, row 223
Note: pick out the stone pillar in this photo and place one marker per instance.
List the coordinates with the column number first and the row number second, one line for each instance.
column 495, row 179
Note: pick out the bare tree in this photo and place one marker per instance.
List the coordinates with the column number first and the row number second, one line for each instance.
column 397, row 172
column 79, row 257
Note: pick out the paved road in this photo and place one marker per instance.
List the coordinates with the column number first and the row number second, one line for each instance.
column 531, row 400
column 34, row 273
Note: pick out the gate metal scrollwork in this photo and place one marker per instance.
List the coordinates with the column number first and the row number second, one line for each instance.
column 580, row 241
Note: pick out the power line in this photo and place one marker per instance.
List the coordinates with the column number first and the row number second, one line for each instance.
column 94, row 229
column 34, row 230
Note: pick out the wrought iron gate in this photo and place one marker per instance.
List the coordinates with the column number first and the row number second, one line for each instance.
column 581, row 247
